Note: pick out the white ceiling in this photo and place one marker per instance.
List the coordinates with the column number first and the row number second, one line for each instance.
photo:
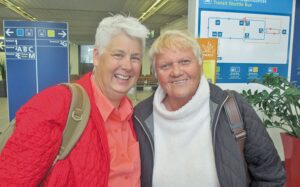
column 83, row 16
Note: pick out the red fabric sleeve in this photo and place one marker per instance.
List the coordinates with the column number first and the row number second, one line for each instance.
column 35, row 142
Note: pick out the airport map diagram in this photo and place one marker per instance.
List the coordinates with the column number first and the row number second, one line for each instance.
column 247, row 38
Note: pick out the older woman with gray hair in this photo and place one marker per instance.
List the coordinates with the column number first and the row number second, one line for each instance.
column 107, row 153
column 184, row 132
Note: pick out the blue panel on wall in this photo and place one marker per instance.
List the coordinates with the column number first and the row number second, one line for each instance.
column 36, row 58
column 255, row 37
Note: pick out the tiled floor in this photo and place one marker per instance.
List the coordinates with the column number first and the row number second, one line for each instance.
column 136, row 97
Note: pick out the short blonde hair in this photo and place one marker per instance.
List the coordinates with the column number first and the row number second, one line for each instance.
column 174, row 39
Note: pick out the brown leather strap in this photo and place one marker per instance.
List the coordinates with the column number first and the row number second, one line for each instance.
column 237, row 127
column 235, row 120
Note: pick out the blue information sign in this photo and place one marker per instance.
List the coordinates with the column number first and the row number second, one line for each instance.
column 254, row 36
column 37, row 57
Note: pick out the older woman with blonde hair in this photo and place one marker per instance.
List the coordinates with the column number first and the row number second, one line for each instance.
column 183, row 130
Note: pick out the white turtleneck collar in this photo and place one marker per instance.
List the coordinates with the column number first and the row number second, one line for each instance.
column 202, row 95
column 183, row 142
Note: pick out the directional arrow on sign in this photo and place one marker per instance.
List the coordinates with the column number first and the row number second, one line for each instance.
column 8, row 32
column 62, row 34
column 1, row 46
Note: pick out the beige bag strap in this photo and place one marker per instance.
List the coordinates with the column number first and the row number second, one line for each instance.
column 78, row 116
column 77, row 119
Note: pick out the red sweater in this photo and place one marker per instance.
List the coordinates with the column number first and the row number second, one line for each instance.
column 32, row 148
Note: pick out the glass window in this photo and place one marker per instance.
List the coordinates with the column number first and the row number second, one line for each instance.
column 86, row 54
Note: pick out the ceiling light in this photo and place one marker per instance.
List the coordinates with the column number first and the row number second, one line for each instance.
column 151, row 10
column 17, row 9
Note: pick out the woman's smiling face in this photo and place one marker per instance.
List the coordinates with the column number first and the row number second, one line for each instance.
column 118, row 67
column 178, row 72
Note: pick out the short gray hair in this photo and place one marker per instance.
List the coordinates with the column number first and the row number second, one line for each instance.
column 174, row 39
column 111, row 26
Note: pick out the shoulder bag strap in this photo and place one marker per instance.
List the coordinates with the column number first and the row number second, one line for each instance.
column 237, row 127
column 235, row 120
column 77, row 119
column 78, row 116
